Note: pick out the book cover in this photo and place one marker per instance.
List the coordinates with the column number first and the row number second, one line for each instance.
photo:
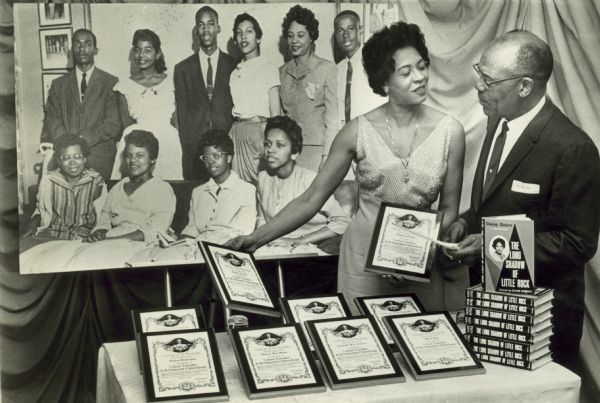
column 508, row 255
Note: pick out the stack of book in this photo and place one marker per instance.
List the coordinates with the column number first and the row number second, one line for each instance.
column 510, row 329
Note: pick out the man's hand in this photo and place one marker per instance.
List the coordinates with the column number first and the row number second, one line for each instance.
column 469, row 250
column 455, row 233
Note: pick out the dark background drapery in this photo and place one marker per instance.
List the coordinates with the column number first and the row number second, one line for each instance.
column 51, row 326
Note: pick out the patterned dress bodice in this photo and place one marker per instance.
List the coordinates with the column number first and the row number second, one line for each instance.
column 414, row 182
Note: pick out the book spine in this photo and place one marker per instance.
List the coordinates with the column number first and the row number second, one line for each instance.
column 501, row 344
column 500, row 353
column 506, row 299
column 498, row 324
column 501, row 334
column 490, row 314
column 500, row 306
column 483, row 243
column 505, row 361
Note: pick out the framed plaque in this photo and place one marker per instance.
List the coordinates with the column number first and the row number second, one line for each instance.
column 404, row 242
column 275, row 361
column 353, row 352
column 182, row 365
column 433, row 346
column 380, row 306
column 54, row 14
column 168, row 319
column 237, row 280
column 299, row 310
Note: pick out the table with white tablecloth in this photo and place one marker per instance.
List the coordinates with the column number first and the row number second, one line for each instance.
column 119, row 381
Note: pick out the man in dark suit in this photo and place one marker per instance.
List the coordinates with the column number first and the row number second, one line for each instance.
column 83, row 103
column 534, row 161
column 202, row 92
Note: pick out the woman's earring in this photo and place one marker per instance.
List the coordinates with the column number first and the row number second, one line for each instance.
column 294, row 156
column 386, row 89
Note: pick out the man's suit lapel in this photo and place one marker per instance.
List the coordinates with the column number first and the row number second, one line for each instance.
column 522, row 147
column 483, row 157
column 197, row 77
column 73, row 89
column 220, row 79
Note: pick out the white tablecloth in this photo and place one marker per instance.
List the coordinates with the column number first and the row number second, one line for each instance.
column 119, row 380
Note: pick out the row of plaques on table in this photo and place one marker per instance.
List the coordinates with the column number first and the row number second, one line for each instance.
column 181, row 361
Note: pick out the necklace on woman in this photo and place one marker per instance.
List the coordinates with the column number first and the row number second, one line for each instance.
column 403, row 160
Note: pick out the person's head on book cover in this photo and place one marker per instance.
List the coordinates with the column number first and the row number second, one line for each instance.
column 499, row 252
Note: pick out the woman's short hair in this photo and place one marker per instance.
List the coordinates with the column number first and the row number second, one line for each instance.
column 302, row 16
column 68, row 140
column 499, row 241
column 216, row 138
column 247, row 17
column 150, row 36
column 379, row 50
column 289, row 127
column 143, row 139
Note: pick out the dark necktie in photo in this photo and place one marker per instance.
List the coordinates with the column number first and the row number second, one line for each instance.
column 495, row 158
column 209, row 80
column 347, row 96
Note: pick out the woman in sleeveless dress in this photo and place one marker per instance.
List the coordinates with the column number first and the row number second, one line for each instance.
column 405, row 152
column 148, row 103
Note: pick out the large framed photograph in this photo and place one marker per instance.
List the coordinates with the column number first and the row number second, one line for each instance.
column 55, row 48
column 235, row 275
column 47, row 79
column 404, row 242
column 54, row 14
column 299, row 310
column 180, row 366
column 275, row 361
column 433, row 346
column 380, row 306
column 353, row 352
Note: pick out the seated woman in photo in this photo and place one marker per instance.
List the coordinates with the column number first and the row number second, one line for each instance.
column 137, row 210
column 66, row 196
column 225, row 206
column 284, row 180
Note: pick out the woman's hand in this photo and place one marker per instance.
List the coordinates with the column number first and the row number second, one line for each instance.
column 242, row 242
column 98, row 235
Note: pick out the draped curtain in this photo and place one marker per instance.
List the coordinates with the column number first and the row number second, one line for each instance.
column 51, row 326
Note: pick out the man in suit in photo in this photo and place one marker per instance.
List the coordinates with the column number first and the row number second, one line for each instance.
column 534, row 161
column 355, row 96
column 202, row 92
column 83, row 103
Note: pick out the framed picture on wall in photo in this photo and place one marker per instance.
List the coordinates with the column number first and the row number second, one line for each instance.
column 47, row 79
column 54, row 14
column 55, row 48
